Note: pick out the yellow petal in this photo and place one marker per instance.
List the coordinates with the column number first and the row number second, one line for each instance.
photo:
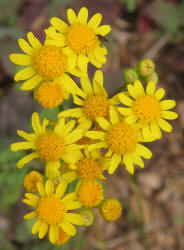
column 35, row 43
column 95, row 21
column 115, row 161
column 52, row 169
column 30, row 215
column 113, row 115
column 31, row 83
column 103, row 123
column 70, row 205
column 75, row 112
column 139, row 88
column 68, row 228
column 71, row 16
column 68, row 127
column 159, row 94
column 26, row 136
column 125, row 111
column 125, row 99
column 93, row 60
column 24, row 74
column 150, row 88
column 103, row 30
column 22, row 146
column 53, row 233
column 58, row 24
column 21, row 59
column 27, row 159
column 82, row 62
column 168, row 104
column 98, row 55
column 74, row 136
column 32, row 197
column 69, row 176
column 96, row 135
column 74, row 219
column 61, row 188
column 86, row 85
column 164, row 125
column 169, row 115
column 82, row 15
column 97, row 145
column 25, row 47
column 36, row 124
column 29, row 202
column 41, row 188
column 133, row 91
column 70, row 196
column 128, row 164
column 155, row 130
column 143, row 151
column 36, row 226
column 43, row 230
column 49, row 187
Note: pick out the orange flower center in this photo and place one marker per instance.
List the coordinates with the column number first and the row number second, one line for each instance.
column 96, row 106
column 122, row 138
column 50, row 62
column 51, row 209
column 147, row 108
column 81, row 38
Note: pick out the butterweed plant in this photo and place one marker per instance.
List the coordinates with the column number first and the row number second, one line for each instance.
column 70, row 149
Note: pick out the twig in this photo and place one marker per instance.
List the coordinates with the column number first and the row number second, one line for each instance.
column 153, row 51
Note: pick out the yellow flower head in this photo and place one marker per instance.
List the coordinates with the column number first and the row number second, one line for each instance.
column 94, row 102
column 50, row 145
column 82, row 38
column 89, row 167
column 147, row 109
column 63, row 237
column 121, row 140
column 52, row 211
column 44, row 63
column 30, row 181
column 110, row 209
column 90, row 193
column 50, row 94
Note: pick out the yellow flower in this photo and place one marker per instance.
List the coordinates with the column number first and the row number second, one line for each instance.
column 50, row 94
column 90, row 193
column 121, row 140
column 31, row 179
column 110, row 209
column 82, row 38
column 147, row 109
column 94, row 103
column 89, row 167
column 62, row 237
column 44, row 63
column 50, row 145
column 52, row 211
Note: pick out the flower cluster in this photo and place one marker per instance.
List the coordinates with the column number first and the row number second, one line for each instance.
column 70, row 149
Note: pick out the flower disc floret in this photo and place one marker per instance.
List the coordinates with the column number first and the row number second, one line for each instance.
column 51, row 209
column 110, row 209
column 50, row 95
column 81, row 38
column 50, row 146
column 96, row 106
column 88, row 168
column 90, row 193
column 50, row 62
column 122, row 138
column 147, row 108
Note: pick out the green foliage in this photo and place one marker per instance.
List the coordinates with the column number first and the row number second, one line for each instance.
column 130, row 4
column 5, row 243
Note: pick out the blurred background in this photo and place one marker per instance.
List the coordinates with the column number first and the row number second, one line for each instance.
column 152, row 200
